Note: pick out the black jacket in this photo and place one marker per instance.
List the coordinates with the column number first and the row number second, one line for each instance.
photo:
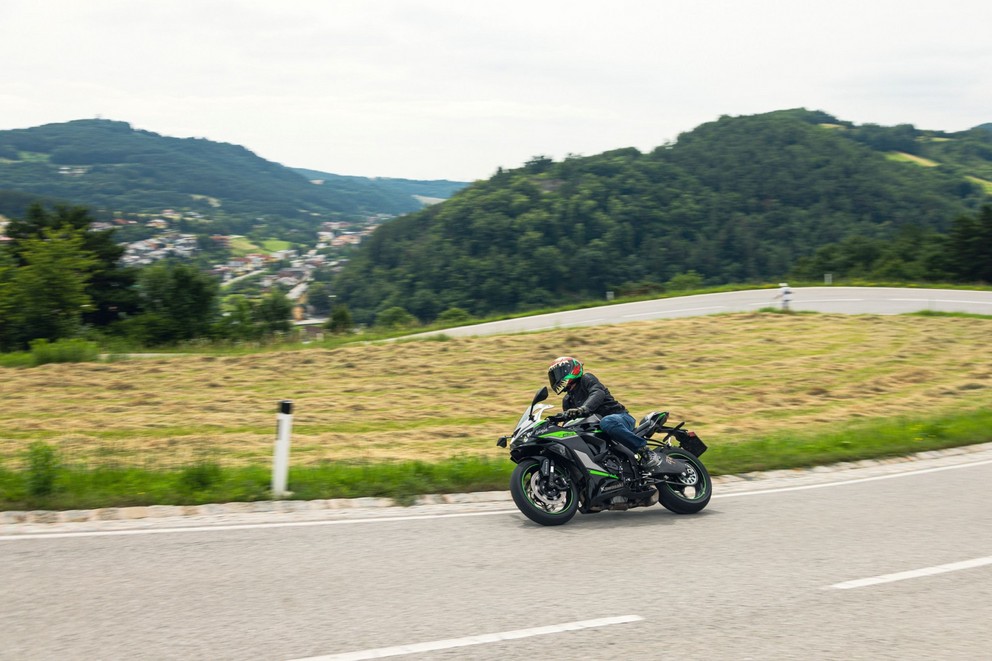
column 589, row 392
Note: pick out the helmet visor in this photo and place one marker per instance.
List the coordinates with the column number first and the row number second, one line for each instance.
column 560, row 374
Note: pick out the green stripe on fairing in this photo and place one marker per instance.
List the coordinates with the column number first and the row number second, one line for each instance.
column 559, row 434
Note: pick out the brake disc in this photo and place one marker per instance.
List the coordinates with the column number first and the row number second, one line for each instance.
column 540, row 496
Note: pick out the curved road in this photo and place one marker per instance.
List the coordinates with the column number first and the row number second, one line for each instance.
column 870, row 566
column 858, row 565
column 846, row 300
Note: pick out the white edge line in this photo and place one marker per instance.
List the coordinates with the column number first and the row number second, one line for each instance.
column 244, row 526
column 913, row 573
column 451, row 643
column 875, row 478
column 425, row 517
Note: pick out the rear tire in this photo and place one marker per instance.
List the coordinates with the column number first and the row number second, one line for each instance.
column 690, row 492
column 550, row 502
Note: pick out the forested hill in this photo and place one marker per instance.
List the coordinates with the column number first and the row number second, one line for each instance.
column 738, row 199
column 109, row 166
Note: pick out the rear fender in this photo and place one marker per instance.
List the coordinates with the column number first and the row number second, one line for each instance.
column 690, row 442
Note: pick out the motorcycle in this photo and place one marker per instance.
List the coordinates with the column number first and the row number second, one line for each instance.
column 567, row 466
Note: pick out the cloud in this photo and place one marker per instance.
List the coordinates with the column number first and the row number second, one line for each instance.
column 454, row 89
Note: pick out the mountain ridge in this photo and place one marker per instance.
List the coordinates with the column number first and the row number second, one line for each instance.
column 735, row 200
column 111, row 166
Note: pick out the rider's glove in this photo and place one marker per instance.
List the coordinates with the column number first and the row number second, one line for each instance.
column 579, row 412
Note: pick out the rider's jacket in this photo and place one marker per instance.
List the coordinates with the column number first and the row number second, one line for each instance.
column 590, row 392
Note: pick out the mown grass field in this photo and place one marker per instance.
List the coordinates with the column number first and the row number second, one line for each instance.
column 736, row 379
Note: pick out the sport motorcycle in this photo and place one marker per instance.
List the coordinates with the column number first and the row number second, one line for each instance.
column 564, row 466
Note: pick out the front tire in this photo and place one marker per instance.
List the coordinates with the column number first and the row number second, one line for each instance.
column 550, row 501
column 689, row 492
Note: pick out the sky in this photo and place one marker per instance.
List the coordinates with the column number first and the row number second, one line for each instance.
column 454, row 89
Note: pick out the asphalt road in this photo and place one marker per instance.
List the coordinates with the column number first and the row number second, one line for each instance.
column 845, row 300
column 757, row 575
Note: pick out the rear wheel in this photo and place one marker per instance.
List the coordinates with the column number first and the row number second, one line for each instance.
column 550, row 500
column 689, row 492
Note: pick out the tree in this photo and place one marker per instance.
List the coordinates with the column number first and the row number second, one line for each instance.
column 453, row 317
column 340, row 321
column 969, row 247
column 177, row 304
column 110, row 285
column 274, row 312
column 685, row 281
column 47, row 294
column 237, row 320
column 7, row 301
column 319, row 297
column 394, row 318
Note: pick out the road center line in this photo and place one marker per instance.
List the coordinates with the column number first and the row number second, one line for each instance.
column 914, row 573
column 941, row 300
column 830, row 300
column 660, row 312
column 451, row 643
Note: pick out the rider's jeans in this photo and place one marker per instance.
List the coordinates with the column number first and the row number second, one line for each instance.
column 620, row 427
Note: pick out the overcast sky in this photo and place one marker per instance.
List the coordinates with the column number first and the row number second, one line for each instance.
column 453, row 89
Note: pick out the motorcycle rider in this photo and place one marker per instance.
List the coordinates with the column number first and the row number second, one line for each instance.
column 585, row 395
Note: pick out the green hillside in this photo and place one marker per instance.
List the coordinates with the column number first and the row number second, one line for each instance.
column 435, row 188
column 109, row 166
column 738, row 199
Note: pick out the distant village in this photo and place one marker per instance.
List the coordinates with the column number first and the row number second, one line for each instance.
column 294, row 276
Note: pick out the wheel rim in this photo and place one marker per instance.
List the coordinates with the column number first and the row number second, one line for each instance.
column 552, row 496
column 692, row 484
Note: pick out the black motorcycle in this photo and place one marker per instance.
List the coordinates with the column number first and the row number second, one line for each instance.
column 568, row 466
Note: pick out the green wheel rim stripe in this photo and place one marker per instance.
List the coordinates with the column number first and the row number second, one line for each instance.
column 704, row 483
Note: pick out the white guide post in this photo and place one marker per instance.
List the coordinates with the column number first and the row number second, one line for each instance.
column 280, row 458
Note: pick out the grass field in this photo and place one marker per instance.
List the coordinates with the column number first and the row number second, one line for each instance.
column 736, row 379
column 274, row 245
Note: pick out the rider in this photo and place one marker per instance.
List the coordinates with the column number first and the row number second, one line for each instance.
column 585, row 395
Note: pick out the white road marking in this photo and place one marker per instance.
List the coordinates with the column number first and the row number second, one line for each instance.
column 940, row 300
column 915, row 573
column 244, row 526
column 427, row 517
column 804, row 487
column 417, row 648
column 657, row 312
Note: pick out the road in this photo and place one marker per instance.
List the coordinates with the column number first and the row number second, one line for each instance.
column 846, row 300
column 762, row 573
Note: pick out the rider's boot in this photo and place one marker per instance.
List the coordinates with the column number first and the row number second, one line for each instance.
column 649, row 459
column 658, row 464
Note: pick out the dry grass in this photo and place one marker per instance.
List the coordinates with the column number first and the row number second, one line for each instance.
column 732, row 377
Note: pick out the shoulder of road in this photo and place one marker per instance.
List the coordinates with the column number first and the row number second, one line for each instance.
column 127, row 518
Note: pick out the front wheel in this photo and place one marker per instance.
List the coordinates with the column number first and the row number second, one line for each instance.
column 689, row 492
column 551, row 499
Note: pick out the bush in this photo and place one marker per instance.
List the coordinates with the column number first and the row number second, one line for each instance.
column 43, row 468
column 63, row 351
column 453, row 317
column 685, row 281
column 340, row 321
column 200, row 477
column 395, row 318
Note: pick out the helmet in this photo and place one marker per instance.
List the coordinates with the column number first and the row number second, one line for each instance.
column 562, row 371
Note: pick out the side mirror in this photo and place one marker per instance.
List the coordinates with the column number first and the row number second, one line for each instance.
column 540, row 396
